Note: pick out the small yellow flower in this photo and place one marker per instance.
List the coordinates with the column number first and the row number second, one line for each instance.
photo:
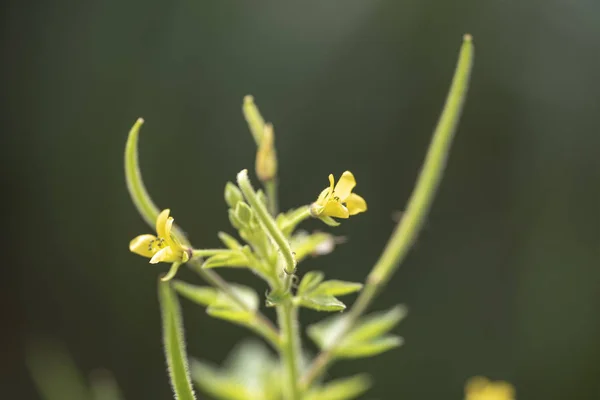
column 163, row 247
column 480, row 388
column 339, row 201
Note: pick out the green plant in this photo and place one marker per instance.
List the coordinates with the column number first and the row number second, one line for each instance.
column 272, row 247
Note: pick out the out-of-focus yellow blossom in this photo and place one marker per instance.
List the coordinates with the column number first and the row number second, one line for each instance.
column 480, row 388
column 339, row 201
column 161, row 248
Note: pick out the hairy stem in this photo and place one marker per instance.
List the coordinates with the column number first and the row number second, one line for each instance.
column 290, row 347
column 418, row 206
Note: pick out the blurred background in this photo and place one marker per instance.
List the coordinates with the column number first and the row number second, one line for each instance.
column 504, row 280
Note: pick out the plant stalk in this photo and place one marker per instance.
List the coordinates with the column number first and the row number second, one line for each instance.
column 418, row 207
column 287, row 315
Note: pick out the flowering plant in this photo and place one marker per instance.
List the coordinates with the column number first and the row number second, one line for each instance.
column 271, row 246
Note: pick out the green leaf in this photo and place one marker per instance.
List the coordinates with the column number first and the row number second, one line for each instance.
column 341, row 389
column 229, row 241
column 217, row 384
column 229, row 258
column 251, row 363
column 310, row 281
column 225, row 308
column 104, row 386
column 174, row 343
column 370, row 348
column 321, row 302
column 233, row 195
column 376, row 324
column 275, row 297
column 244, row 213
column 250, row 372
column 202, row 295
column 338, row 288
column 54, row 372
column 326, row 331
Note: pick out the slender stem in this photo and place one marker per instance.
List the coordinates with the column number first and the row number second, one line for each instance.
column 198, row 253
column 262, row 325
column 299, row 215
column 267, row 221
column 290, row 348
column 271, row 190
column 418, row 206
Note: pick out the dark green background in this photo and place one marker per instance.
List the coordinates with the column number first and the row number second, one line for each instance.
column 504, row 280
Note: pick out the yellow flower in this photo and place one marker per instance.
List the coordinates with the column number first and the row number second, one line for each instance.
column 480, row 388
column 163, row 247
column 339, row 201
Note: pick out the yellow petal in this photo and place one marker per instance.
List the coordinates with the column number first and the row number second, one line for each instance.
column 168, row 226
column 142, row 245
column 344, row 186
column 322, row 199
column 355, row 204
column 161, row 221
column 331, row 182
column 335, row 209
column 165, row 255
column 476, row 384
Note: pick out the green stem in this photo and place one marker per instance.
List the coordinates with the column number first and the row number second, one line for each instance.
column 198, row 253
column 262, row 325
column 267, row 221
column 418, row 206
column 298, row 216
column 271, row 190
column 290, row 347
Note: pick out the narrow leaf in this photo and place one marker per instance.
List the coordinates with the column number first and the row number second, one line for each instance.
column 367, row 349
column 54, row 372
column 202, row 295
column 310, row 281
column 325, row 331
column 217, row 384
column 376, row 324
column 237, row 316
column 229, row 241
column 322, row 303
column 174, row 343
column 341, row 389
column 338, row 288
column 225, row 308
column 104, row 386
